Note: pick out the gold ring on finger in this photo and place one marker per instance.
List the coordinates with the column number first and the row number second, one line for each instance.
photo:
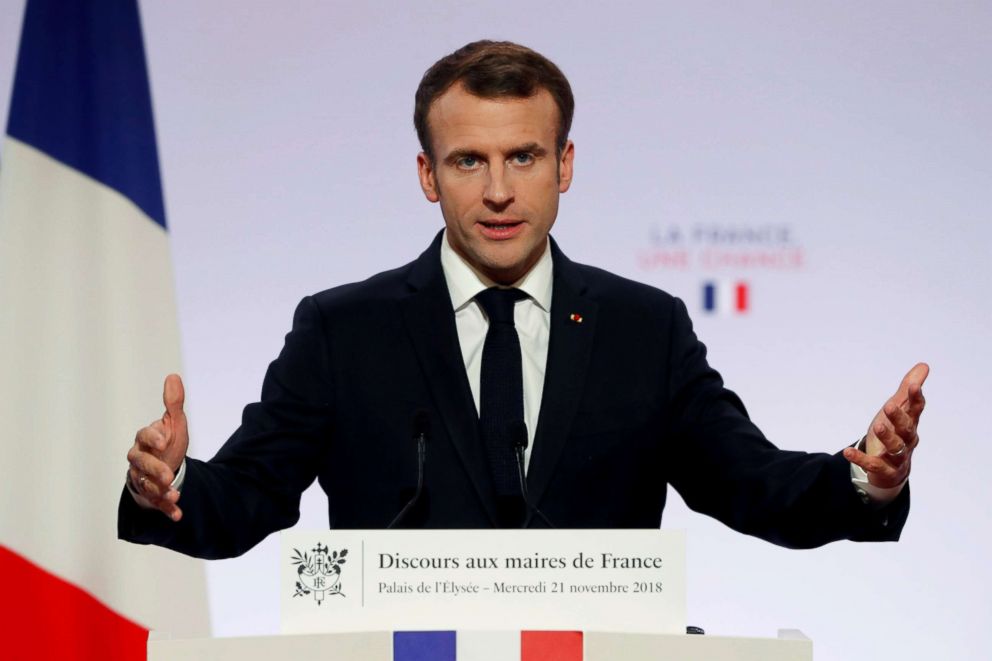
column 141, row 481
column 898, row 453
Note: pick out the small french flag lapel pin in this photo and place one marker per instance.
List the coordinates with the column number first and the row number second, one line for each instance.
column 575, row 318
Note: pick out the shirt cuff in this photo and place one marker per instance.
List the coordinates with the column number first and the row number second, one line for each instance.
column 870, row 494
column 177, row 481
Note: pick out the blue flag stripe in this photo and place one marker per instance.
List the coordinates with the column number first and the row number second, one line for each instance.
column 424, row 646
column 709, row 297
column 81, row 95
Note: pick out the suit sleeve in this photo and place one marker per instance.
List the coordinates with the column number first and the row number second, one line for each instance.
column 726, row 468
column 252, row 486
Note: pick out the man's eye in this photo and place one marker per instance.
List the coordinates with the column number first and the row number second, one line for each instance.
column 523, row 158
column 468, row 162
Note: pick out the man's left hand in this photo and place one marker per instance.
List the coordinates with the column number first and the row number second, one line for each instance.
column 892, row 434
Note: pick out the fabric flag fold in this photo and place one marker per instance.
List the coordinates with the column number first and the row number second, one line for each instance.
column 87, row 333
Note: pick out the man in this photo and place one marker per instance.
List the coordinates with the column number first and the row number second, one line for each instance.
column 490, row 331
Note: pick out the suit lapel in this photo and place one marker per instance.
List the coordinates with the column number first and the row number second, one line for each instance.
column 431, row 325
column 569, row 351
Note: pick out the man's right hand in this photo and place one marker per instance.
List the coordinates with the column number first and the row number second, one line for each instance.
column 158, row 451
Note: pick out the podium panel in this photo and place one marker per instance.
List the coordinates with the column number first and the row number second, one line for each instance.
column 791, row 645
column 375, row 646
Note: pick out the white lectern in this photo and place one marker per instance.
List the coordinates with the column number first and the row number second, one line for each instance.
column 790, row 645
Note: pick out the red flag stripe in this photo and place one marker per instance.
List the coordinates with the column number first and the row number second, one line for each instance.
column 550, row 646
column 45, row 617
column 741, row 302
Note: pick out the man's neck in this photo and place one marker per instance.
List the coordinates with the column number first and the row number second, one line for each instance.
column 465, row 281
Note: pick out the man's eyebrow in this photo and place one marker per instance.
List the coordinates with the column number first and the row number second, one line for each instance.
column 530, row 148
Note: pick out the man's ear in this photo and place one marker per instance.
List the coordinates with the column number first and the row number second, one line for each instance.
column 428, row 180
column 565, row 167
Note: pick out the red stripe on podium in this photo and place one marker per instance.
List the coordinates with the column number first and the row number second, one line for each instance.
column 45, row 617
column 550, row 646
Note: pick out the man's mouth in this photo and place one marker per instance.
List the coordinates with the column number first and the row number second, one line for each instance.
column 498, row 224
column 501, row 229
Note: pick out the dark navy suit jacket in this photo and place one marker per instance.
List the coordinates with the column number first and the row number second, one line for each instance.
column 630, row 406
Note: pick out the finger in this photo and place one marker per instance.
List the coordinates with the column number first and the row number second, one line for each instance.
column 914, row 377
column 166, row 501
column 173, row 396
column 152, row 438
column 155, row 470
column 903, row 426
column 869, row 463
column 914, row 407
column 891, row 443
column 165, row 504
column 172, row 511
column 880, row 471
column 896, row 451
column 147, row 487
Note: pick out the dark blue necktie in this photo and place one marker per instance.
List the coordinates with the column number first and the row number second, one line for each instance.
column 501, row 389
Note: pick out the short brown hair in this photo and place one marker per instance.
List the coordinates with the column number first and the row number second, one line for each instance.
column 494, row 69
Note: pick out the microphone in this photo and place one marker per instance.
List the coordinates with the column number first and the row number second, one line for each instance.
column 421, row 429
column 518, row 439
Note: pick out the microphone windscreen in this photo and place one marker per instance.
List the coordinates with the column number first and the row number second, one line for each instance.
column 421, row 423
column 518, row 434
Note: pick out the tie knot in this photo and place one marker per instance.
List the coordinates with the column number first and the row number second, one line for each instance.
column 498, row 303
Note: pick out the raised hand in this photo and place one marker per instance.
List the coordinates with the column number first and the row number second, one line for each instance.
column 158, row 452
column 892, row 436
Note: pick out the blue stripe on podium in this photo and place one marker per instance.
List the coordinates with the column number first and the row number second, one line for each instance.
column 424, row 646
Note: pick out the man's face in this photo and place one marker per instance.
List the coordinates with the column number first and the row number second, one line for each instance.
column 496, row 176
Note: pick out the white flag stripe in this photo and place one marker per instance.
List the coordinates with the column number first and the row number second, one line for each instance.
column 488, row 645
column 725, row 297
column 87, row 333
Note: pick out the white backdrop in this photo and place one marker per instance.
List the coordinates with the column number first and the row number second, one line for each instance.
column 858, row 131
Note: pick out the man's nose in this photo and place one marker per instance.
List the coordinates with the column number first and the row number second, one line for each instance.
column 499, row 189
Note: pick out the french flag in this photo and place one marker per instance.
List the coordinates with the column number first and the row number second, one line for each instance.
column 487, row 646
column 726, row 297
column 87, row 330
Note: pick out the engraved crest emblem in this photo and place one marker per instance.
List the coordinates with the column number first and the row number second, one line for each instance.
column 318, row 572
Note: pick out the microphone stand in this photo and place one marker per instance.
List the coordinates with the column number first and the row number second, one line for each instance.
column 421, row 425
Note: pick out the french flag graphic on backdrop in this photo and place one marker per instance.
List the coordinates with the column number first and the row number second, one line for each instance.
column 487, row 646
column 726, row 297
column 87, row 333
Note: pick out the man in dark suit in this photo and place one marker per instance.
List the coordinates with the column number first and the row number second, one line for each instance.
column 605, row 376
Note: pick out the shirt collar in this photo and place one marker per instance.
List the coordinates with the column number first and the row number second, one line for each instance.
column 464, row 281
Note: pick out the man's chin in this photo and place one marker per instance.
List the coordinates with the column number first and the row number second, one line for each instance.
column 503, row 262
column 503, row 271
